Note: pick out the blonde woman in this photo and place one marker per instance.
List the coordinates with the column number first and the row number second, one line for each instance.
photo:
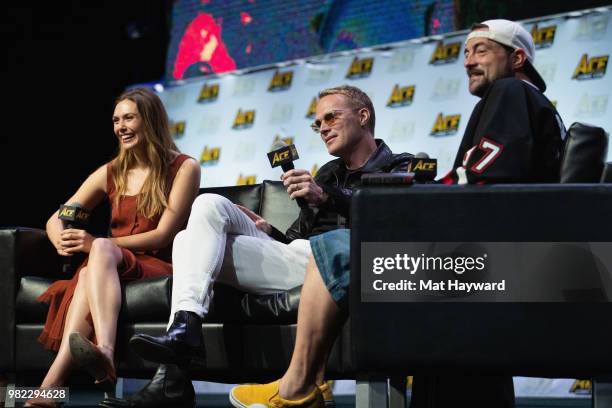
column 151, row 187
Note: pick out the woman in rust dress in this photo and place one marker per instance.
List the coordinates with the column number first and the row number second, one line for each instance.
column 151, row 187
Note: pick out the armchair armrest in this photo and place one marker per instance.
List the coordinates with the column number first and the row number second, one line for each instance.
column 28, row 252
column 23, row 251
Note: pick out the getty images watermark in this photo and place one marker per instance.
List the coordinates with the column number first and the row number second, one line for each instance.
column 486, row 271
column 413, row 264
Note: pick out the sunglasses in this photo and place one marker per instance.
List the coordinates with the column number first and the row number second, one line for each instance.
column 330, row 118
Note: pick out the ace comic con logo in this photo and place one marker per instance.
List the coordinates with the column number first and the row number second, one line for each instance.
column 208, row 93
column 360, row 68
column 244, row 119
column 210, row 156
column 401, row 96
column 543, row 37
column 281, row 81
column 248, row 180
column 445, row 53
column 445, row 125
column 446, row 88
column 591, row 68
column 312, row 108
column 177, row 129
column 592, row 105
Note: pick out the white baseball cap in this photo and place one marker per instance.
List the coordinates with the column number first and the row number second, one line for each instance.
column 513, row 35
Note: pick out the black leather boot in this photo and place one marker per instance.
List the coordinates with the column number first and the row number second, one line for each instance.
column 182, row 344
column 169, row 387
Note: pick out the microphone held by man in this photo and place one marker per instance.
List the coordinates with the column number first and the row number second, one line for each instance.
column 284, row 155
column 420, row 169
column 424, row 168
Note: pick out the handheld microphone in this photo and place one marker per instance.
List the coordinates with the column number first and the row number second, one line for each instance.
column 424, row 168
column 284, row 155
column 73, row 215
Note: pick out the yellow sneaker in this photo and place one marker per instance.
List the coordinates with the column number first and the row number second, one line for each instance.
column 328, row 396
column 266, row 395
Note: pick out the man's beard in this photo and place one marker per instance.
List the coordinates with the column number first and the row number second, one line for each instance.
column 484, row 86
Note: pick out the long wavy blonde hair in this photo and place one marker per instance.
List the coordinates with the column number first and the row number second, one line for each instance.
column 155, row 130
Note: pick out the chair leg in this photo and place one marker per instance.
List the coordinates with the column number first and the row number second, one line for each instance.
column 371, row 392
column 602, row 393
column 9, row 402
column 397, row 391
column 118, row 392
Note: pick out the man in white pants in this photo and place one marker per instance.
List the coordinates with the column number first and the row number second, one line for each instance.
column 228, row 243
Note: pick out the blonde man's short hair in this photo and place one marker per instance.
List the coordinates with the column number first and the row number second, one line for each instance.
column 357, row 98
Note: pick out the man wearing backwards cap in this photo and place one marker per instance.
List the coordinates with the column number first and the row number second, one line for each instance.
column 514, row 135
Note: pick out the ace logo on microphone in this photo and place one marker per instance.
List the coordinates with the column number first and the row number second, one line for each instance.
column 279, row 157
column 66, row 212
column 74, row 214
column 283, row 155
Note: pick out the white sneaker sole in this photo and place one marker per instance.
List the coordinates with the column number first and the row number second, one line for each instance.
column 238, row 404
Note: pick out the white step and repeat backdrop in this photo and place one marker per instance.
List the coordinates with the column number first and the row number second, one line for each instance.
column 419, row 90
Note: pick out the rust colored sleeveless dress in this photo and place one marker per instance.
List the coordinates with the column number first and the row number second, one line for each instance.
column 136, row 265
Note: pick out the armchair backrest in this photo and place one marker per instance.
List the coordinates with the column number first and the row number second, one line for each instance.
column 268, row 199
column 584, row 154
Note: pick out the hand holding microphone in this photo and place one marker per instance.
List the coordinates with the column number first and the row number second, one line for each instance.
column 73, row 238
column 302, row 187
column 299, row 183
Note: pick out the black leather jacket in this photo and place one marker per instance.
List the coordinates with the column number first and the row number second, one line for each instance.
column 338, row 182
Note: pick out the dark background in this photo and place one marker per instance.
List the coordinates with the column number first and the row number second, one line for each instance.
column 64, row 62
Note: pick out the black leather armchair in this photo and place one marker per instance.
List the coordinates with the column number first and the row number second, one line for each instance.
column 584, row 154
column 569, row 337
column 248, row 338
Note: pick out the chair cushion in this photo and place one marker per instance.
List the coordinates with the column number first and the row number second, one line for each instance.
column 276, row 206
column 248, row 196
column 148, row 301
column 143, row 301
